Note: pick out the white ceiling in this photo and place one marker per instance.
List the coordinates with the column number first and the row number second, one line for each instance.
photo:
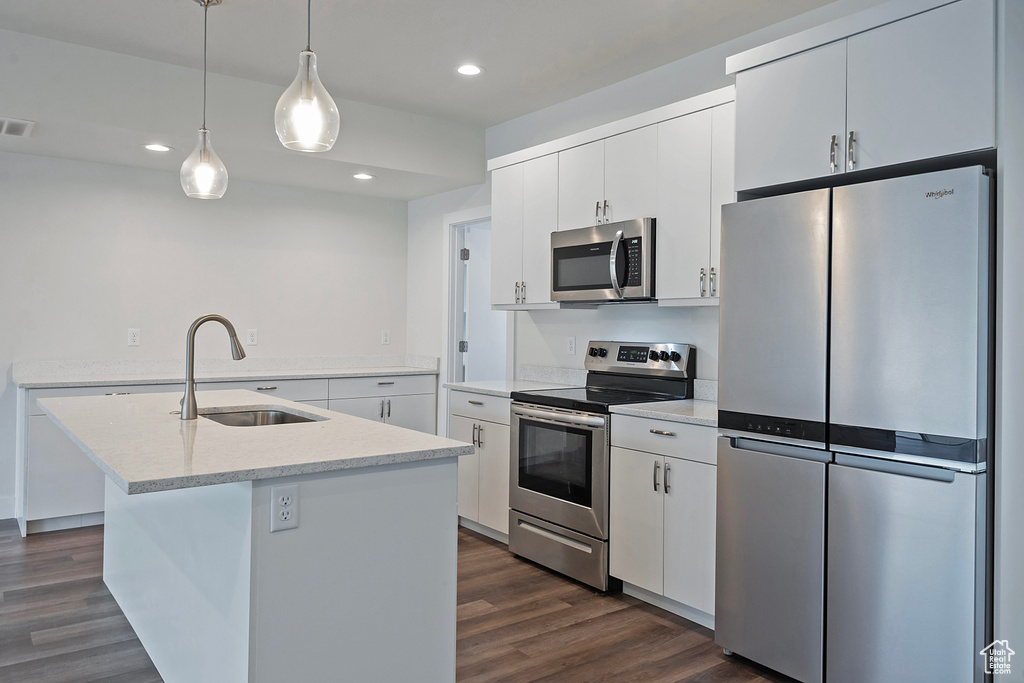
column 401, row 53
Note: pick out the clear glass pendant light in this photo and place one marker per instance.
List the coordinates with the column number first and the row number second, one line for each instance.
column 306, row 117
column 203, row 175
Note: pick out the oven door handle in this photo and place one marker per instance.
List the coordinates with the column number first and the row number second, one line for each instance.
column 574, row 420
column 611, row 264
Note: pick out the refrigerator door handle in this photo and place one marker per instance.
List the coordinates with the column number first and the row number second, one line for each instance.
column 782, row 449
column 901, row 468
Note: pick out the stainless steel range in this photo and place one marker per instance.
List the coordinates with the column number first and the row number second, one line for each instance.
column 558, row 495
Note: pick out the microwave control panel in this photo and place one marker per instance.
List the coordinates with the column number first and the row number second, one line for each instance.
column 634, row 266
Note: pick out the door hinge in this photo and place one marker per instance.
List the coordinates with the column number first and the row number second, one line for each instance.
column 463, row 346
column 464, row 254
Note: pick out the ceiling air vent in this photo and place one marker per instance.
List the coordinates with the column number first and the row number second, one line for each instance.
column 16, row 127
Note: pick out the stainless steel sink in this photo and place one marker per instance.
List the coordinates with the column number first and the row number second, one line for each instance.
column 256, row 418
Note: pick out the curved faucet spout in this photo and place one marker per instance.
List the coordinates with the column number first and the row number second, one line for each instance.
column 189, row 409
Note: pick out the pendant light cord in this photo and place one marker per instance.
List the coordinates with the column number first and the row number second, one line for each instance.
column 206, row 12
column 309, row 11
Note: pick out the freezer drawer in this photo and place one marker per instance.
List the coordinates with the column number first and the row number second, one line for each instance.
column 770, row 566
column 906, row 574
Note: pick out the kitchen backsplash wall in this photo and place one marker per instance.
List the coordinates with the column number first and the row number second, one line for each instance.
column 90, row 250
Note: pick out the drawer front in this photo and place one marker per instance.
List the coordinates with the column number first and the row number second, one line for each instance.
column 357, row 387
column 35, row 394
column 290, row 389
column 674, row 439
column 480, row 406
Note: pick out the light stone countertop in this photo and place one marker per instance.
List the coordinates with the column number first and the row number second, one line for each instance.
column 140, row 442
column 503, row 387
column 690, row 412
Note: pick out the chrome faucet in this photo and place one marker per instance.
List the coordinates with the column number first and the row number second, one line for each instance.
column 189, row 410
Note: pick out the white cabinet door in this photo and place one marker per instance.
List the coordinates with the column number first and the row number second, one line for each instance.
column 370, row 407
column 464, row 429
column 923, row 87
column 580, row 185
column 723, row 164
column 630, row 174
column 62, row 480
column 506, row 233
column 416, row 411
column 636, row 524
column 683, row 205
column 494, row 475
column 540, row 219
column 786, row 114
column 690, row 533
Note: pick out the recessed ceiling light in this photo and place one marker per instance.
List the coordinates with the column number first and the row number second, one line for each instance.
column 363, row 176
column 156, row 147
column 469, row 70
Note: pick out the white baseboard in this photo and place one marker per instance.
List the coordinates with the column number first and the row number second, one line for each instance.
column 6, row 507
column 669, row 605
column 484, row 530
column 38, row 526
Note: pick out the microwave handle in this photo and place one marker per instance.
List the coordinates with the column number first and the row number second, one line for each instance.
column 611, row 264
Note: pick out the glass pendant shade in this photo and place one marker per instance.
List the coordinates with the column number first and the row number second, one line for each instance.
column 203, row 175
column 306, row 117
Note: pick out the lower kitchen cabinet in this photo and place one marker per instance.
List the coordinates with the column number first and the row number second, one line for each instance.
column 483, row 476
column 412, row 412
column 61, row 479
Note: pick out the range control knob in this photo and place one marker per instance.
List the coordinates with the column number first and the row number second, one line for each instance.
column 593, row 351
column 654, row 356
column 663, row 355
column 602, row 352
column 675, row 356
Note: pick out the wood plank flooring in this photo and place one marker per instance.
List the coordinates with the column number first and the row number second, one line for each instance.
column 517, row 622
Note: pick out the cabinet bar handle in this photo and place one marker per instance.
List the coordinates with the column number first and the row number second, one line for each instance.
column 523, row 290
column 265, row 388
column 714, row 287
column 606, row 211
column 657, row 468
column 517, row 292
column 661, row 433
column 851, row 160
column 384, row 384
column 476, row 403
column 474, row 433
column 480, row 436
column 120, row 393
column 703, row 274
column 832, row 153
column 389, row 407
column 382, row 409
column 597, row 214
column 668, row 468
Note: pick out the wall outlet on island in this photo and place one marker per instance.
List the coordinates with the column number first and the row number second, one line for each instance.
column 250, row 338
column 385, row 337
column 133, row 336
column 570, row 346
column 284, row 507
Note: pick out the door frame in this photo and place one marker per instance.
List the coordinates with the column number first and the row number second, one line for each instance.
column 451, row 222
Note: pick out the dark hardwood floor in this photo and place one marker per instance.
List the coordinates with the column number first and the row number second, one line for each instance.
column 516, row 622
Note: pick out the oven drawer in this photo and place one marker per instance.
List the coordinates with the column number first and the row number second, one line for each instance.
column 663, row 437
column 573, row 554
column 479, row 406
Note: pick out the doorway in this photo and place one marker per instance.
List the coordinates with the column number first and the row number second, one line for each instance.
column 478, row 334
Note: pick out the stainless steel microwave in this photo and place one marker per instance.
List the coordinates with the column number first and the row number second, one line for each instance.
column 608, row 262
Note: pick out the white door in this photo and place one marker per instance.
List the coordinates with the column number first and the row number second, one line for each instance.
column 787, row 113
column 723, row 185
column 635, row 524
column 690, row 533
column 463, row 429
column 540, row 219
column 630, row 174
column 580, row 185
column 494, row 474
column 923, row 87
column 507, row 233
column 684, row 205
column 370, row 407
column 476, row 323
column 415, row 411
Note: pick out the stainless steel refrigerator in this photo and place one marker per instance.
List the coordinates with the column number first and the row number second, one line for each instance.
column 854, row 407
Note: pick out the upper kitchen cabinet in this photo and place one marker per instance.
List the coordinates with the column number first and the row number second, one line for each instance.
column 524, row 213
column 608, row 180
column 885, row 88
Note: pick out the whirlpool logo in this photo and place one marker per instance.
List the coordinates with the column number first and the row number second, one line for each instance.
column 938, row 195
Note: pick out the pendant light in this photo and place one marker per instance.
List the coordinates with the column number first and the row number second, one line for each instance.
column 306, row 117
column 203, row 175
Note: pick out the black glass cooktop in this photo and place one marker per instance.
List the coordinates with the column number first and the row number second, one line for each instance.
column 590, row 399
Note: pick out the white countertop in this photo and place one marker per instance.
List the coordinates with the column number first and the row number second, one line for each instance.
column 140, row 442
column 503, row 387
column 691, row 412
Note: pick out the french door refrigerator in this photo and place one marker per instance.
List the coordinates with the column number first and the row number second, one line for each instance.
column 854, row 390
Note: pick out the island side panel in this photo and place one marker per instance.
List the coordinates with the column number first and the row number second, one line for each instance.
column 365, row 588
column 178, row 564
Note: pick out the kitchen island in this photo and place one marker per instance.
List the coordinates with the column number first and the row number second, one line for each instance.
column 363, row 589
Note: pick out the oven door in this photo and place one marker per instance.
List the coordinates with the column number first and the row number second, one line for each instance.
column 559, row 467
column 609, row 262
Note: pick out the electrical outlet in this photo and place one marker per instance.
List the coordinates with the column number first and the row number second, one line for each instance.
column 250, row 337
column 284, row 507
column 570, row 347
column 133, row 336
column 385, row 337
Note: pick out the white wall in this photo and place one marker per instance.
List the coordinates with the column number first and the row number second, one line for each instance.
column 88, row 250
